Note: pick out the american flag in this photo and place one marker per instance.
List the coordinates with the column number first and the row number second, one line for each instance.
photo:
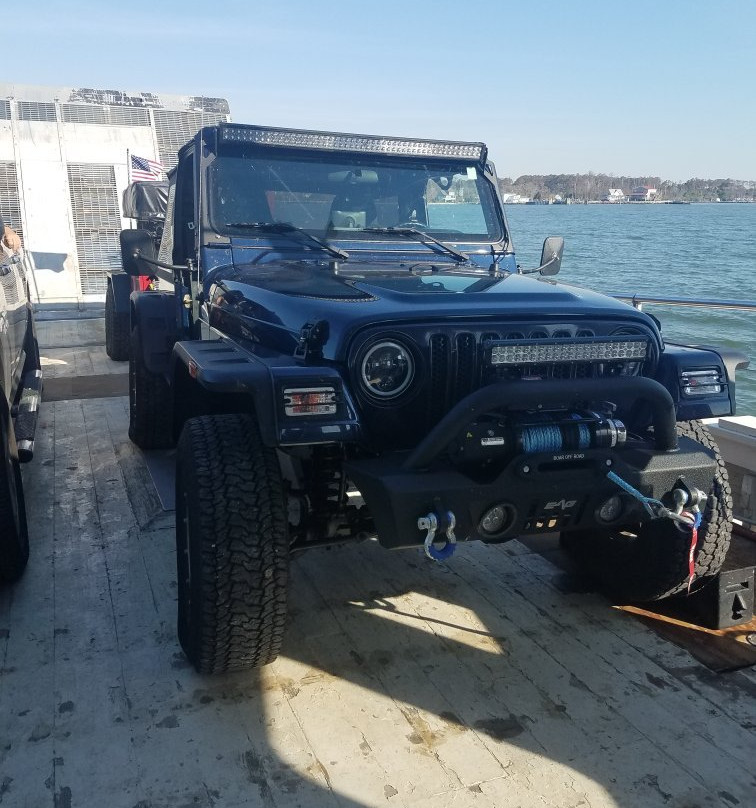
column 144, row 169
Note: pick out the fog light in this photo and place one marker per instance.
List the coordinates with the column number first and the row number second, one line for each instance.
column 495, row 520
column 611, row 509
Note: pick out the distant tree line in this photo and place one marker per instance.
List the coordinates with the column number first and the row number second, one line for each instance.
column 593, row 187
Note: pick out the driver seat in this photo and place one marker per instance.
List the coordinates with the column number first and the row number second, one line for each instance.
column 352, row 209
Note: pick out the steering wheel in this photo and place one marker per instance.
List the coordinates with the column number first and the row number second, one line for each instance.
column 414, row 225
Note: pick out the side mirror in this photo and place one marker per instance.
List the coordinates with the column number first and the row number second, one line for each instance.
column 136, row 245
column 551, row 255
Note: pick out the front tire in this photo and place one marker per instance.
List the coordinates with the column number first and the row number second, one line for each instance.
column 232, row 547
column 14, row 535
column 150, row 402
column 117, row 329
column 650, row 561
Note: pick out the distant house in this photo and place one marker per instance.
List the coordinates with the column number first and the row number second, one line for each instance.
column 615, row 195
column 643, row 194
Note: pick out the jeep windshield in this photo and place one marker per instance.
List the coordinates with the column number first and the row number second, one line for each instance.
column 350, row 197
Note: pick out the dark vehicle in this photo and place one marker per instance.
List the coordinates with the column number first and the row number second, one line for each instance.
column 145, row 203
column 20, row 389
column 352, row 352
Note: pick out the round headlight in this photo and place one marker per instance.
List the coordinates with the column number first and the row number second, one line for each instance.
column 387, row 369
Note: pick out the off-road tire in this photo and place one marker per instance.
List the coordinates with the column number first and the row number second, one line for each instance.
column 232, row 545
column 14, row 535
column 650, row 561
column 150, row 402
column 117, row 329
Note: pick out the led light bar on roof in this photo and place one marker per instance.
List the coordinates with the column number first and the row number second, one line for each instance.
column 588, row 350
column 352, row 143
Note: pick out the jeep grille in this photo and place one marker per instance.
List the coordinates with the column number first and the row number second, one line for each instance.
column 460, row 363
column 454, row 361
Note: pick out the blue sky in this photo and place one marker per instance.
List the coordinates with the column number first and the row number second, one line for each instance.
column 661, row 87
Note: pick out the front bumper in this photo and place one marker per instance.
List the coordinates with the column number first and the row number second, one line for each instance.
column 538, row 492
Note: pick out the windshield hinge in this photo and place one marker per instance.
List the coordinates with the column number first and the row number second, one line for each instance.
column 494, row 269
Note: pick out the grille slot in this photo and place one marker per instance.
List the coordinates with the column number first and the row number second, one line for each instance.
column 466, row 370
column 439, row 374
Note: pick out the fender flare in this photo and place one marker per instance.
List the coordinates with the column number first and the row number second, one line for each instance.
column 154, row 314
column 121, row 283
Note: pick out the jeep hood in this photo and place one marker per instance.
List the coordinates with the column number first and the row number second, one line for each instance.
column 286, row 295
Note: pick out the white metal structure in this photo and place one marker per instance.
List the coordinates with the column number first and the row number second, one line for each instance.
column 64, row 155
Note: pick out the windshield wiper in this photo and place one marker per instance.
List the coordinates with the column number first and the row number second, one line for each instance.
column 420, row 235
column 284, row 228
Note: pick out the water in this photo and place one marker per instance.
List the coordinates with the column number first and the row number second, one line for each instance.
column 697, row 251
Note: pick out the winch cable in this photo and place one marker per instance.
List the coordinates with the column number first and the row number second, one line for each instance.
column 549, row 437
column 684, row 520
column 654, row 507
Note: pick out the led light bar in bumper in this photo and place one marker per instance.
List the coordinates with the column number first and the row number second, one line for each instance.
column 582, row 350
column 701, row 382
column 352, row 143
column 310, row 401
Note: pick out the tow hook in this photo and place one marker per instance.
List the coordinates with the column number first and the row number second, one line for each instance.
column 431, row 524
column 682, row 495
column 687, row 508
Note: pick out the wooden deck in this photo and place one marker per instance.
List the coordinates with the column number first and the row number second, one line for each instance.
column 484, row 681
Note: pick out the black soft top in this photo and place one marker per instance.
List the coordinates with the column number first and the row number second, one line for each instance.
column 146, row 201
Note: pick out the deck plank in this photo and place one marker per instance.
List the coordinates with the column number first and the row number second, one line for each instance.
column 529, row 693
column 703, row 743
column 729, row 692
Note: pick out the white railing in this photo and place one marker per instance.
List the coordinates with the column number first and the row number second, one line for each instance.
column 638, row 300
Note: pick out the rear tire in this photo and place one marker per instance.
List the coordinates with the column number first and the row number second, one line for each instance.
column 150, row 402
column 14, row 535
column 232, row 545
column 117, row 328
column 650, row 561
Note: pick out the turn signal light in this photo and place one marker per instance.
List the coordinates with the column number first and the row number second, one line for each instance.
column 310, row 401
column 701, row 382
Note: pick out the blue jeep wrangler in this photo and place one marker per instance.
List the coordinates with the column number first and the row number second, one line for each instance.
column 351, row 351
